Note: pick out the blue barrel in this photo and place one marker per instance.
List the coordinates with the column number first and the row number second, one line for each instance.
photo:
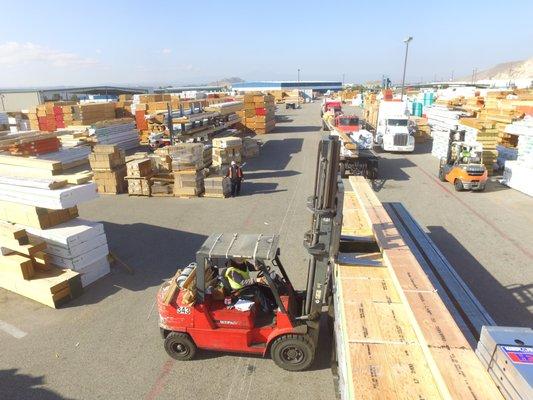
column 417, row 109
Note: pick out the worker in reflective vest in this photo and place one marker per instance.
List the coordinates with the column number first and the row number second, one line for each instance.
column 235, row 175
column 238, row 276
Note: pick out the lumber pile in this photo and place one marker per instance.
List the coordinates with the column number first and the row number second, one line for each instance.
column 423, row 130
column 217, row 186
column 395, row 337
column 258, row 114
column 250, row 147
column 120, row 132
column 138, row 175
column 226, row 150
column 108, row 163
column 518, row 174
column 187, row 166
column 370, row 109
column 484, row 132
column 90, row 113
column 442, row 122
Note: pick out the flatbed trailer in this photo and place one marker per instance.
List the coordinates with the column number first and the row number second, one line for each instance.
column 404, row 329
column 354, row 160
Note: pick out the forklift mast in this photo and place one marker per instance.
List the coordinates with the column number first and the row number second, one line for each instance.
column 322, row 240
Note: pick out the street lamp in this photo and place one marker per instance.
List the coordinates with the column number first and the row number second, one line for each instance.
column 298, row 102
column 406, row 41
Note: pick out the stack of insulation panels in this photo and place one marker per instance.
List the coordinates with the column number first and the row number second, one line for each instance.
column 519, row 174
column 442, row 121
column 79, row 245
column 121, row 132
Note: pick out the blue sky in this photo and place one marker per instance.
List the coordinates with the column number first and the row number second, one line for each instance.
column 161, row 42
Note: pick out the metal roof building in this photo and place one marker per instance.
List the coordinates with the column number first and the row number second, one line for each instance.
column 22, row 99
column 287, row 85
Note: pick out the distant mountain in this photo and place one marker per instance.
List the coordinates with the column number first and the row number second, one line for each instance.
column 226, row 81
column 506, row 71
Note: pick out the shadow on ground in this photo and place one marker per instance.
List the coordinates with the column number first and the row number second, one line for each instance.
column 275, row 155
column 391, row 169
column 296, row 129
column 507, row 305
column 152, row 252
column 14, row 386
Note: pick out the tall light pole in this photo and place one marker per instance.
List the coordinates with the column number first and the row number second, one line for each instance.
column 406, row 41
column 343, row 79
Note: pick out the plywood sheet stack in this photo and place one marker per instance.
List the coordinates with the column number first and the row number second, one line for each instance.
column 217, row 186
column 188, row 165
column 395, row 337
column 90, row 113
column 120, row 132
column 138, row 175
column 259, row 112
column 26, row 269
column 226, row 150
column 108, row 163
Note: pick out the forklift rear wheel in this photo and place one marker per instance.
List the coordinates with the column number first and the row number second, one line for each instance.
column 180, row 346
column 442, row 177
column 293, row 352
column 458, row 185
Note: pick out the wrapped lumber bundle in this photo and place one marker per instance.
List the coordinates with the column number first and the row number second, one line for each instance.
column 26, row 269
column 79, row 245
column 188, row 183
column 121, row 132
column 217, row 186
column 258, row 114
column 89, row 113
column 226, row 150
column 187, row 156
column 442, row 122
column 139, row 173
column 108, row 163
column 518, row 174
column 250, row 147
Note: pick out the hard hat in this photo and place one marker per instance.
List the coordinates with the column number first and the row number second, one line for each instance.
column 233, row 163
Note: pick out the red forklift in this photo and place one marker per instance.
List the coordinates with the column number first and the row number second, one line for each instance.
column 290, row 332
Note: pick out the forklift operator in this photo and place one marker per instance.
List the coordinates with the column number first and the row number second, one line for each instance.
column 238, row 276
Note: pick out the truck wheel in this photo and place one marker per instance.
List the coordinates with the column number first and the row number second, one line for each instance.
column 293, row 352
column 442, row 176
column 180, row 346
column 342, row 171
column 458, row 185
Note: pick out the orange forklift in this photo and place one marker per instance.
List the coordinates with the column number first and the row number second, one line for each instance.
column 463, row 164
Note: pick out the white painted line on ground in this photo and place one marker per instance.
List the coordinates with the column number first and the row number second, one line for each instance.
column 12, row 330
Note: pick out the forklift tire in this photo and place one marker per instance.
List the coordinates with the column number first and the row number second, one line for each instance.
column 442, row 177
column 293, row 352
column 458, row 185
column 180, row 346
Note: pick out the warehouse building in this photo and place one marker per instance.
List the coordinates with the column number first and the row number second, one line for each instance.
column 316, row 86
column 22, row 99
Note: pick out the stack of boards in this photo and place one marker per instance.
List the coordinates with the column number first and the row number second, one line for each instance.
column 108, row 163
column 120, row 132
column 395, row 337
column 65, row 253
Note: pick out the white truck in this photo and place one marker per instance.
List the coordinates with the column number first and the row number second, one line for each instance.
column 392, row 130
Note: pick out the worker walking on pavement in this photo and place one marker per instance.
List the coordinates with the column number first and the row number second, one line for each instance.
column 235, row 175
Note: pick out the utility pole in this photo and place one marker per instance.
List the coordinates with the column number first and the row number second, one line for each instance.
column 474, row 72
column 298, row 87
column 452, row 75
column 406, row 41
column 343, row 80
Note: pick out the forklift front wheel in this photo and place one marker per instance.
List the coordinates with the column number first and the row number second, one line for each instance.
column 458, row 185
column 180, row 346
column 293, row 352
column 442, row 176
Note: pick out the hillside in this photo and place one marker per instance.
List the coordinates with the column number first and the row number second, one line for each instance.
column 510, row 70
column 226, row 81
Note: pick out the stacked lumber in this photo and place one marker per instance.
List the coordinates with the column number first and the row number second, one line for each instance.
column 217, row 186
column 258, row 114
column 226, row 108
column 108, row 163
column 32, row 119
column 90, row 113
column 35, row 144
column 484, row 132
column 138, row 175
column 78, row 245
column 226, row 150
column 395, row 337
column 370, row 109
column 442, row 122
column 187, row 166
column 37, row 217
column 250, row 147
column 121, row 132
column 423, row 130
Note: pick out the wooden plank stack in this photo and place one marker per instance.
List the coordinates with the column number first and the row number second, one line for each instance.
column 121, row 132
column 138, row 175
column 395, row 337
column 90, row 113
column 187, row 166
column 108, row 163
column 226, row 150
column 258, row 114
column 217, row 186
column 250, row 147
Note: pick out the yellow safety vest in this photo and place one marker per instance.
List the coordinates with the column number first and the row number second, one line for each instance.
column 235, row 285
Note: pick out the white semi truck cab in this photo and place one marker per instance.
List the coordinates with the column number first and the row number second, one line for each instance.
column 392, row 131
